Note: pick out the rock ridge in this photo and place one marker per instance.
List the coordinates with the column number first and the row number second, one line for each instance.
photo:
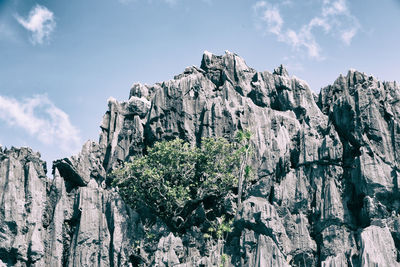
column 326, row 192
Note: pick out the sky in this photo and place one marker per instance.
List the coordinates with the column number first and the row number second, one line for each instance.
column 61, row 60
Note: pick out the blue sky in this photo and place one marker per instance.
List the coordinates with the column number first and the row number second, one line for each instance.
column 61, row 60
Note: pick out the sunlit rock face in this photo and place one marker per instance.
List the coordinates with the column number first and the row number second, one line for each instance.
column 325, row 192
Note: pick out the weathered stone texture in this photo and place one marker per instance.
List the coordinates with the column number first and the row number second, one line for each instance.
column 326, row 190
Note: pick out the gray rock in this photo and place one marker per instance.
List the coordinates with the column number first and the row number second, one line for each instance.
column 377, row 247
column 326, row 189
column 83, row 167
column 260, row 250
column 169, row 250
column 22, row 202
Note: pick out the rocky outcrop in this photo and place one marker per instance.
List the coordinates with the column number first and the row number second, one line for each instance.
column 90, row 225
column 377, row 247
column 325, row 193
column 23, row 196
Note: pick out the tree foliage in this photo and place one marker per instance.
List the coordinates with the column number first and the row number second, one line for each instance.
column 174, row 175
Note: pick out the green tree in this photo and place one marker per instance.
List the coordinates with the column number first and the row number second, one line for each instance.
column 174, row 177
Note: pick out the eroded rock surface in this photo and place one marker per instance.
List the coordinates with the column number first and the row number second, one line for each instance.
column 23, row 187
column 325, row 194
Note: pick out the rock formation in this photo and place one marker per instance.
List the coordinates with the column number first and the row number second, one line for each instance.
column 326, row 191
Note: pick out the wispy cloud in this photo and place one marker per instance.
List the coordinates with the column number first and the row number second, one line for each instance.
column 271, row 16
column 333, row 17
column 40, row 22
column 334, row 7
column 348, row 35
column 40, row 118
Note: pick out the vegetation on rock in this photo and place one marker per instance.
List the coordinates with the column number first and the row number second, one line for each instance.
column 173, row 178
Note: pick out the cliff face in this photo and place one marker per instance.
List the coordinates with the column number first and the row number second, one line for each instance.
column 326, row 192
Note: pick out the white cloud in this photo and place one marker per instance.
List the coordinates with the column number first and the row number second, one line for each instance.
column 273, row 18
column 42, row 119
column 320, row 22
column 40, row 22
column 302, row 39
column 348, row 35
column 336, row 7
column 333, row 18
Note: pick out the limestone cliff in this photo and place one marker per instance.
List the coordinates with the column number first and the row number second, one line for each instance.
column 326, row 192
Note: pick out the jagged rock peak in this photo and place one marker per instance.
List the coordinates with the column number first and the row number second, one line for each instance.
column 141, row 90
column 227, row 61
column 21, row 152
column 24, row 155
column 353, row 78
column 281, row 70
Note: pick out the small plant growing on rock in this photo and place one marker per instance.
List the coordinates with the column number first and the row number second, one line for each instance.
column 245, row 150
column 223, row 227
column 224, row 260
column 219, row 231
column 220, row 228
